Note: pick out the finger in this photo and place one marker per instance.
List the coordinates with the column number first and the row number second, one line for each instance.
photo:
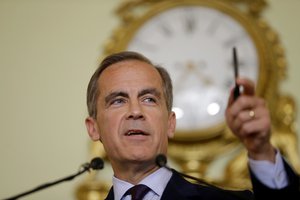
column 244, row 117
column 231, row 98
column 248, row 86
column 248, row 90
column 259, row 127
column 243, row 103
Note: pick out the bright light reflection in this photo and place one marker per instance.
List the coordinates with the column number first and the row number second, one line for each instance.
column 178, row 112
column 213, row 108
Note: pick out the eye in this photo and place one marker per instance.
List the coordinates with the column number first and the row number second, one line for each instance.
column 149, row 100
column 117, row 101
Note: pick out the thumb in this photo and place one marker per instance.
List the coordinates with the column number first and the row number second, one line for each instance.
column 248, row 86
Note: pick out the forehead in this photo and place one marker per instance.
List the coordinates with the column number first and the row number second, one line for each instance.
column 129, row 73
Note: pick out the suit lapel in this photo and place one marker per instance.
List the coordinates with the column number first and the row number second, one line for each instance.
column 110, row 195
column 179, row 189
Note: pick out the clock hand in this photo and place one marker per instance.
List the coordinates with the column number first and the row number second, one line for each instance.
column 188, row 69
column 183, row 76
column 205, row 79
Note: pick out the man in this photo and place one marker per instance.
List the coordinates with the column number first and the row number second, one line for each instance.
column 130, row 111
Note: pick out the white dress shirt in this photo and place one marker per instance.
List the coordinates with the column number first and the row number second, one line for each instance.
column 157, row 182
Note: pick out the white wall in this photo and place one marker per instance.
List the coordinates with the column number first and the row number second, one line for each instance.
column 48, row 51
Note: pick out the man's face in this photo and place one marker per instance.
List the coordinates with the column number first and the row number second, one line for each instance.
column 132, row 121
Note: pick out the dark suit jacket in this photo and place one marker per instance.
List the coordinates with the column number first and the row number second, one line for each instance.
column 180, row 189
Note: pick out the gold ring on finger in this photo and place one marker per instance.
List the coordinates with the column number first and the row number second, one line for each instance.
column 251, row 114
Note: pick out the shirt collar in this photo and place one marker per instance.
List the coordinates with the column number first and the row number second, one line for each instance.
column 157, row 182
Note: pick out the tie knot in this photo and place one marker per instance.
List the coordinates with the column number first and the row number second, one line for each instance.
column 138, row 191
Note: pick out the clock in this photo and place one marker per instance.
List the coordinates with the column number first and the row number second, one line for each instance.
column 193, row 40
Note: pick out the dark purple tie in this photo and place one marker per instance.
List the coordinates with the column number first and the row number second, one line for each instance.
column 138, row 191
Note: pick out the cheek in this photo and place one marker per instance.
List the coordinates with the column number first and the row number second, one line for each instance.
column 109, row 129
column 161, row 123
column 109, row 123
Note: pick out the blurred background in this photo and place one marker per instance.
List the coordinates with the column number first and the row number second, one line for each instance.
column 48, row 51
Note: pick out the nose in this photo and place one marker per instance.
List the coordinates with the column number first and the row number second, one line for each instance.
column 135, row 111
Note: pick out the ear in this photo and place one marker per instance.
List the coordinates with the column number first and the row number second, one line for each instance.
column 171, row 125
column 92, row 128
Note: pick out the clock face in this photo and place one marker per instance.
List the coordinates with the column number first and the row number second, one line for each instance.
column 194, row 43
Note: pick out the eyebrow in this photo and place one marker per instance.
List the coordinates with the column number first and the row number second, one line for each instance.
column 152, row 91
column 113, row 95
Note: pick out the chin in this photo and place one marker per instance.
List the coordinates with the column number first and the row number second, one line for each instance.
column 141, row 156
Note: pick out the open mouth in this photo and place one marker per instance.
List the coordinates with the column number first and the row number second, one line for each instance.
column 135, row 132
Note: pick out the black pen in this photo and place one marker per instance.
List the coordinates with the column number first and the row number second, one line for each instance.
column 236, row 92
